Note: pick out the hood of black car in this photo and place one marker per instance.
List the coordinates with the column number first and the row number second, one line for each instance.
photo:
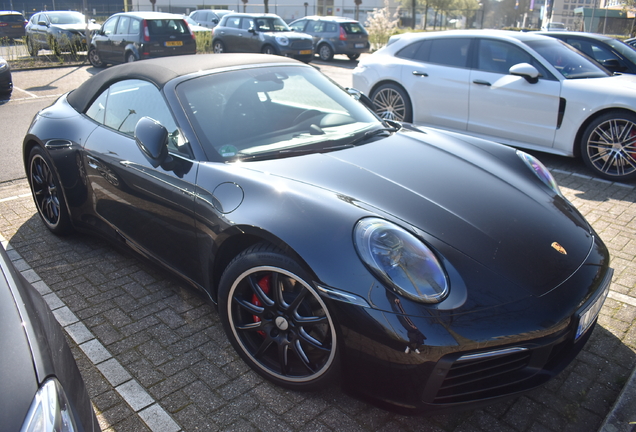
column 497, row 213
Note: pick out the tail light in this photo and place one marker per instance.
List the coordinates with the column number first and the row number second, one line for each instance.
column 343, row 34
column 145, row 30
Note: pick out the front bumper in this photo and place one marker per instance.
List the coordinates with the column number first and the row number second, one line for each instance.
column 447, row 363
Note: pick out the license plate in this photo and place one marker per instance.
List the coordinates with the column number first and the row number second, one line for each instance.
column 360, row 45
column 305, row 52
column 174, row 43
column 16, row 26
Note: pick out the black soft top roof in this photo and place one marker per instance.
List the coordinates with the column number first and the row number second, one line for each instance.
column 160, row 71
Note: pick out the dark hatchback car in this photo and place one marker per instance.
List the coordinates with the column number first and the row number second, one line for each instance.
column 334, row 35
column 613, row 54
column 6, row 81
column 41, row 387
column 12, row 25
column 58, row 31
column 132, row 36
column 260, row 33
column 335, row 244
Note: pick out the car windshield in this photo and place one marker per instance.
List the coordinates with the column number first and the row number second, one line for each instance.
column 567, row 60
column 623, row 49
column 66, row 18
column 271, row 25
column 272, row 112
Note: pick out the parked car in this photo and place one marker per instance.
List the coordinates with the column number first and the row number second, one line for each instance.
column 195, row 27
column 334, row 35
column 58, row 31
column 329, row 239
column 521, row 89
column 612, row 54
column 41, row 386
column 208, row 17
column 260, row 33
column 12, row 25
column 132, row 36
column 6, row 82
column 554, row 26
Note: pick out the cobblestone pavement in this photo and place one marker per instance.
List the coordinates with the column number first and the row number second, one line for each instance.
column 154, row 355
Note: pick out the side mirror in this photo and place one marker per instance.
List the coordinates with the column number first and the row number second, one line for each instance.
column 42, row 23
column 252, row 30
column 152, row 139
column 525, row 70
column 362, row 98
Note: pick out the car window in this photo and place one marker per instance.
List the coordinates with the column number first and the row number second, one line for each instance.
column 165, row 27
column 122, row 26
column 233, row 22
column 247, row 23
column 135, row 25
column 315, row 26
column 264, row 24
column 411, row 51
column 497, row 56
column 566, row 59
column 248, row 112
column 66, row 18
column 332, row 28
column 449, row 52
column 12, row 18
column 353, row 28
column 299, row 26
column 122, row 105
column 109, row 26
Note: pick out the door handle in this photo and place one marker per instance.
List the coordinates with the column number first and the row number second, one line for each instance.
column 417, row 73
column 480, row 82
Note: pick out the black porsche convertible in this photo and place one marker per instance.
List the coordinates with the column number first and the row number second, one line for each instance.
column 424, row 270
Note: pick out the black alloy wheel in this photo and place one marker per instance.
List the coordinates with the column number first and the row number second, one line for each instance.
column 392, row 103
column 276, row 320
column 608, row 146
column 47, row 193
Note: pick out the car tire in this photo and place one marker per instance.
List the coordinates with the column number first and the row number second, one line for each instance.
column 325, row 52
column 32, row 47
column 608, row 146
column 353, row 56
column 47, row 192
column 218, row 47
column 268, row 49
column 93, row 58
column 286, row 335
column 392, row 103
column 130, row 57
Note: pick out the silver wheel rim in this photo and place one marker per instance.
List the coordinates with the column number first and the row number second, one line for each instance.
column 611, row 147
column 288, row 332
column 218, row 48
column 325, row 52
column 389, row 104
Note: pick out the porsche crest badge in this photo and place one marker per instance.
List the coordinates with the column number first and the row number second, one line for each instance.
column 560, row 249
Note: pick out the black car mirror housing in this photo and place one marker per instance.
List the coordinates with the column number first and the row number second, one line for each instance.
column 152, row 139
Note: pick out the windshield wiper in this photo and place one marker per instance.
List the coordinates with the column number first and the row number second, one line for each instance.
column 373, row 133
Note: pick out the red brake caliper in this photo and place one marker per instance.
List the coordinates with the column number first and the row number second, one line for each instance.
column 264, row 284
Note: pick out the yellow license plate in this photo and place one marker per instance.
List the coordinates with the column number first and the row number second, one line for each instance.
column 174, row 43
column 303, row 52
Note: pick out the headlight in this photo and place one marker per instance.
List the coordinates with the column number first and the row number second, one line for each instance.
column 50, row 410
column 282, row 40
column 3, row 65
column 400, row 260
column 540, row 170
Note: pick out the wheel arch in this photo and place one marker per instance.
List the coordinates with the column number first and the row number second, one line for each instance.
column 581, row 130
column 131, row 49
column 236, row 240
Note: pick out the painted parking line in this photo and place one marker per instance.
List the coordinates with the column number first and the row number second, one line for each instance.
column 144, row 405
